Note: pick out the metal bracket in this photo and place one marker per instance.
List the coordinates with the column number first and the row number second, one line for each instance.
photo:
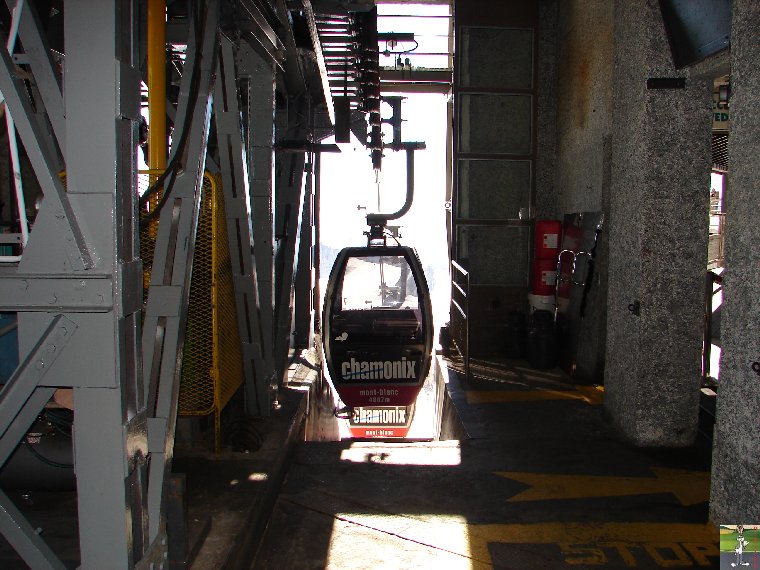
column 65, row 294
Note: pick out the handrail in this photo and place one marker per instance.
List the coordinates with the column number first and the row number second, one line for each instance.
column 464, row 312
column 559, row 279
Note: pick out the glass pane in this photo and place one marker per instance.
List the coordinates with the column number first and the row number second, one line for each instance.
column 500, row 57
column 480, row 133
column 495, row 255
column 494, row 189
column 378, row 282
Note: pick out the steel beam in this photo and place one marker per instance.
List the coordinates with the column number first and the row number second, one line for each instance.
column 38, row 56
column 257, row 362
column 21, row 400
column 305, row 276
column 293, row 122
column 164, row 327
column 102, row 87
column 317, row 257
column 256, row 77
column 24, row 539
column 30, row 372
column 309, row 13
column 56, row 200
column 54, row 296
column 70, row 293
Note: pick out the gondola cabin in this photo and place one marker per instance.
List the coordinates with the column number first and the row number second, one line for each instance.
column 378, row 335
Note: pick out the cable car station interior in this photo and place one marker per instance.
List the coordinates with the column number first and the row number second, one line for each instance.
column 192, row 375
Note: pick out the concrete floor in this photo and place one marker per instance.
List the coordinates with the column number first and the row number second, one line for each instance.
column 532, row 477
column 540, row 482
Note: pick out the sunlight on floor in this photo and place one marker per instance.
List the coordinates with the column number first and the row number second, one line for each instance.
column 384, row 540
column 443, row 453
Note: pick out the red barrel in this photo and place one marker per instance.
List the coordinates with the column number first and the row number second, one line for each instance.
column 548, row 238
column 543, row 276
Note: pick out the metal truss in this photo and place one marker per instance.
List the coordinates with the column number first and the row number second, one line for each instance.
column 233, row 157
column 304, row 277
column 289, row 192
column 256, row 81
column 166, row 311
column 78, row 287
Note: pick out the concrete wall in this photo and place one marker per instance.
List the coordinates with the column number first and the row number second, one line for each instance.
column 735, row 495
column 584, row 88
column 657, row 236
column 584, row 103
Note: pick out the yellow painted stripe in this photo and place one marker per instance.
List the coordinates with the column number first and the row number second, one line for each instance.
column 543, row 374
column 592, row 395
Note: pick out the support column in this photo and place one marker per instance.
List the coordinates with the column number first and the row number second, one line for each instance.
column 657, row 236
column 233, row 158
column 256, row 77
column 102, row 110
column 305, row 275
column 168, row 296
column 289, row 195
column 736, row 452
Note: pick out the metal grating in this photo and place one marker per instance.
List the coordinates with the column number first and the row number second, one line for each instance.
column 228, row 358
column 196, row 388
column 720, row 152
column 212, row 367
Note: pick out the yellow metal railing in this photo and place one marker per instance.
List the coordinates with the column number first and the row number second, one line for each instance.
column 212, row 368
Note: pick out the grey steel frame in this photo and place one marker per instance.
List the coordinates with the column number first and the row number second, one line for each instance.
column 289, row 195
column 256, row 79
column 168, row 294
column 78, row 288
column 233, row 158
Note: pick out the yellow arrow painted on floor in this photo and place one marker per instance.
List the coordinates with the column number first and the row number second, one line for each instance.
column 689, row 487
column 590, row 394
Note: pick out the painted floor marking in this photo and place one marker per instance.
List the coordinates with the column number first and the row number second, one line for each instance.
column 669, row 545
column 689, row 487
column 592, row 395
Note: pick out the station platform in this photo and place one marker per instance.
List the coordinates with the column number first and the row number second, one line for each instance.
column 526, row 475
column 519, row 470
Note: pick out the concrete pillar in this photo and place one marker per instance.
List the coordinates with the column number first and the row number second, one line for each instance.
column 657, row 236
column 736, row 455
